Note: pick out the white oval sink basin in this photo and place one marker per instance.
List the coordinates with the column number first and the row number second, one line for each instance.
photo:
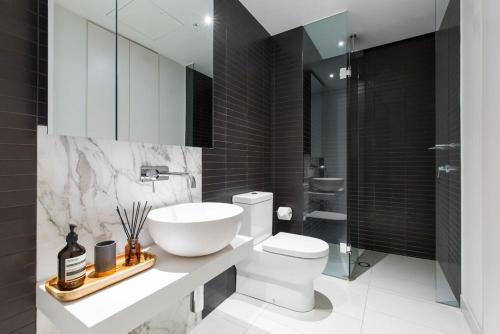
column 327, row 184
column 194, row 229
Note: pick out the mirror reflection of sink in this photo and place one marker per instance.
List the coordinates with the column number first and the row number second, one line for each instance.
column 194, row 229
column 327, row 184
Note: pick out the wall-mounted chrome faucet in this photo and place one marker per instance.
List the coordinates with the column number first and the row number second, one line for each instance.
column 160, row 173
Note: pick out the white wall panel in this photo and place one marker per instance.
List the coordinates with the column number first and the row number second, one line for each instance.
column 101, row 114
column 68, row 110
column 123, row 89
column 172, row 102
column 144, row 94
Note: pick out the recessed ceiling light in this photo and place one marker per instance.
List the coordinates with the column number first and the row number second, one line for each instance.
column 341, row 43
column 208, row 20
column 331, row 75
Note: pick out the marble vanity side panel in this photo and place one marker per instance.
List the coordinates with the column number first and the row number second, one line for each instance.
column 82, row 180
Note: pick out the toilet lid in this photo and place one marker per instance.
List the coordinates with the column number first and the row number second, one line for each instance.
column 296, row 245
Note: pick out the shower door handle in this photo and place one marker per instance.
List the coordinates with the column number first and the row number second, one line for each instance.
column 446, row 169
column 441, row 147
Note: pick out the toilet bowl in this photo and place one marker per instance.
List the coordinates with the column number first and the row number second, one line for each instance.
column 282, row 268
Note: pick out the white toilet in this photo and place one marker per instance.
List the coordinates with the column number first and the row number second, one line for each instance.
column 282, row 268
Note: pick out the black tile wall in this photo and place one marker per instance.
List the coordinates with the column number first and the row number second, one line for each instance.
column 22, row 97
column 448, row 197
column 391, row 177
column 42, row 82
column 288, row 139
column 199, row 96
column 306, row 115
column 240, row 160
column 219, row 289
column 310, row 55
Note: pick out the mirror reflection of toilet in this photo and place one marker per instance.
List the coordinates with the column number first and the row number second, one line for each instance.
column 282, row 268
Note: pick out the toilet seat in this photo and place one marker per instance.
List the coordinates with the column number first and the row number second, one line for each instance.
column 295, row 245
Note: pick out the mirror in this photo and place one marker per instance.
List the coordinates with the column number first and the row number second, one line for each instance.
column 133, row 70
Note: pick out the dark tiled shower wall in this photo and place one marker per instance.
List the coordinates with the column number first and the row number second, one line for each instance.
column 448, row 192
column 22, row 97
column 240, row 160
column 310, row 55
column 199, row 96
column 306, row 115
column 391, row 177
column 288, row 139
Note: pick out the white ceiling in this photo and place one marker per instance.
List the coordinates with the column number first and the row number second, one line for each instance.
column 164, row 26
column 375, row 22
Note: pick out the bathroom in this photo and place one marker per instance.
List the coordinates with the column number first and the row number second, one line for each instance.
column 276, row 166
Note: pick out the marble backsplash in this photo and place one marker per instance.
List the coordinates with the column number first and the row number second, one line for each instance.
column 82, row 180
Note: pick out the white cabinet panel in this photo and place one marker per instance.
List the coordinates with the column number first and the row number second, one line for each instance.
column 172, row 102
column 123, row 89
column 144, row 95
column 101, row 113
column 68, row 111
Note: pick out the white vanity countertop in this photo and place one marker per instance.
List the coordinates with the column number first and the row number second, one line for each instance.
column 122, row 307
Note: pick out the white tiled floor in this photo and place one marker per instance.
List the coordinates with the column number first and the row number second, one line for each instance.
column 396, row 296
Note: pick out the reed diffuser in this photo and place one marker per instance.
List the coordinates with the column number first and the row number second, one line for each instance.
column 133, row 228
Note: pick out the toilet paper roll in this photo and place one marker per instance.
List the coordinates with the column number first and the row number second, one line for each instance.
column 284, row 213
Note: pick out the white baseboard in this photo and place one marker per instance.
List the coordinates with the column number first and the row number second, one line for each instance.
column 469, row 317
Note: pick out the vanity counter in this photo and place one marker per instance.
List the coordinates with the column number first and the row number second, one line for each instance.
column 124, row 306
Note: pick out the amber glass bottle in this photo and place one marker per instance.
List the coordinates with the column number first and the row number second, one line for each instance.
column 132, row 252
column 72, row 263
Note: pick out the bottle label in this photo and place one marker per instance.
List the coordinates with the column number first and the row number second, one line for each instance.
column 74, row 268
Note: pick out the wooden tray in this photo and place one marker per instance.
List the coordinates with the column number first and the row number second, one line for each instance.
column 94, row 283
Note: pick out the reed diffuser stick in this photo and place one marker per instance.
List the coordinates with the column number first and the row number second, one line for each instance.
column 123, row 224
column 133, row 218
column 145, row 218
column 138, row 208
column 144, row 209
column 128, row 222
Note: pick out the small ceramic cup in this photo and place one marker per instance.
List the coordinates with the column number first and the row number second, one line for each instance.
column 105, row 257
